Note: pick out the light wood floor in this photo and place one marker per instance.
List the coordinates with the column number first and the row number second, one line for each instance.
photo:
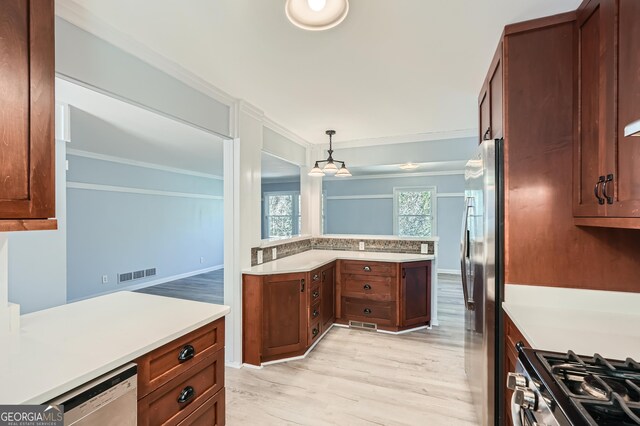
column 207, row 287
column 363, row 378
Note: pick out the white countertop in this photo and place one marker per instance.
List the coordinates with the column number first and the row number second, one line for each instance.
column 312, row 259
column 585, row 321
column 61, row 348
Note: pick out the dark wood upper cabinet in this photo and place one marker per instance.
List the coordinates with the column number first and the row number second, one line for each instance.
column 328, row 303
column 27, row 160
column 415, row 294
column 606, row 164
column 490, row 100
column 284, row 323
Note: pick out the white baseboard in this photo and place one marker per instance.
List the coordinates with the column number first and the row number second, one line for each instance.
column 236, row 365
column 145, row 284
column 449, row 271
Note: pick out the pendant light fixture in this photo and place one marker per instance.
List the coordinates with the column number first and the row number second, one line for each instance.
column 316, row 15
column 331, row 166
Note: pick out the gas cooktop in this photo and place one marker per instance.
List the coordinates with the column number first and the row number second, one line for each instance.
column 586, row 390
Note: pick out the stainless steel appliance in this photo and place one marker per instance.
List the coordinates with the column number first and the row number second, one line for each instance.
column 558, row 389
column 482, row 283
column 109, row 400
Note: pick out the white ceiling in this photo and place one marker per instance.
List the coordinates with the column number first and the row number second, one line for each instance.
column 118, row 129
column 391, row 68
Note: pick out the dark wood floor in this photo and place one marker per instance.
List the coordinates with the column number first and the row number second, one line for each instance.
column 207, row 287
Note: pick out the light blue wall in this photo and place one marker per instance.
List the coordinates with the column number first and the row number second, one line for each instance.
column 115, row 232
column 38, row 260
column 375, row 216
column 91, row 60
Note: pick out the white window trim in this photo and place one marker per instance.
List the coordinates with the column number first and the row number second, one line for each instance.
column 434, row 206
column 296, row 210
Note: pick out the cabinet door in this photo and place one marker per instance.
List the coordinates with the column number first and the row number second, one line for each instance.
column 623, row 155
column 328, row 304
column 495, row 96
column 284, row 326
column 27, row 181
column 415, row 293
column 485, row 114
column 589, row 146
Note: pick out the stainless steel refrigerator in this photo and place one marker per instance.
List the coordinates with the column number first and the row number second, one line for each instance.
column 482, row 283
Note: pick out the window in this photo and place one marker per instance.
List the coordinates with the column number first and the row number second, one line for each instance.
column 282, row 213
column 414, row 211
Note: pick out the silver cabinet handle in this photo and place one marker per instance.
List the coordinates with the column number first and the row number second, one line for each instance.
column 366, row 269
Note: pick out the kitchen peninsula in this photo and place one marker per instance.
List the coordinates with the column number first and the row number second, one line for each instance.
column 290, row 303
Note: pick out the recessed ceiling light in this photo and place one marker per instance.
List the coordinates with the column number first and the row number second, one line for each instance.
column 408, row 166
column 316, row 15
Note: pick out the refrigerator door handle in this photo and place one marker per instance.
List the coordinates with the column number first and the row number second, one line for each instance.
column 464, row 251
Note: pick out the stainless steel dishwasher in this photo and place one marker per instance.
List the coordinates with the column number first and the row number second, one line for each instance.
column 111, row 399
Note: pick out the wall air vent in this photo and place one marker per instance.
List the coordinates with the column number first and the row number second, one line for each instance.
column 363, row 325
column 150, row 272
column 138, row 274
column 125, row 277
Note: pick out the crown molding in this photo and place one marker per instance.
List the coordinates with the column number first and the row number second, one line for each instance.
column 270, row 124
column 79, row 16
column 251, row 110
column 410, row 138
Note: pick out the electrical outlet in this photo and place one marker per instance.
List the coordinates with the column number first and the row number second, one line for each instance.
column 361, row 245
column 202, row 260
column 424, row 248
column 260, row 258
column 274, row 253
column 105, row 279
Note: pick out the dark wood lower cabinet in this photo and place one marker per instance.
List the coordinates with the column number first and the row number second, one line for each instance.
column 512, row 337
column 415, row 294
column 182, row 382
column 283, row 315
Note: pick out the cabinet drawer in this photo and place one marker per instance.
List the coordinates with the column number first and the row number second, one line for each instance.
column 315, row 277
column 369, row 268
column 314, row 294
column 315, row 312
column 314, row 331
column 382, row 313
column 211, row 413
column 369, row 287
column 163, row 364
column 164, row 406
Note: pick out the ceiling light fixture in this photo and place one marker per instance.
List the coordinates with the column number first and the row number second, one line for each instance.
column 316, row 15
column 408, row 166
column 331, row 167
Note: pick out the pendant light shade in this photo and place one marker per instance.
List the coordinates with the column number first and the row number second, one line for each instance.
column 316, row 15
column 343, row 172
column 316, row 171
column 331, row 166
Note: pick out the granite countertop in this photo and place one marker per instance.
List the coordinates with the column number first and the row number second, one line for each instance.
column 59, row 349
column 584, row 321
column 312, row 259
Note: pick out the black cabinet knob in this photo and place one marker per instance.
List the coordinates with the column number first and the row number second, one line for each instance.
column 316, row 294
column 315, row 332
column 315, row 313
column 186, row 395
column 316, row 277
column 367, row 311
column 366, row 287
column 186, row 353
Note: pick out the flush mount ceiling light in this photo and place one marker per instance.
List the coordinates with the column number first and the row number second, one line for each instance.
column 408, row 166
column 331, row 167
column 316, row 15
